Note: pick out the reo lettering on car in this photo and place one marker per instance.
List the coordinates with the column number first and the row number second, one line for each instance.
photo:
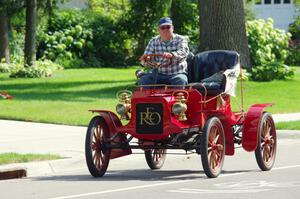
column 149, row 117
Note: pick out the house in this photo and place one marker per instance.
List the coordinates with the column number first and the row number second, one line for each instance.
column 79, row 4
column 281, row 11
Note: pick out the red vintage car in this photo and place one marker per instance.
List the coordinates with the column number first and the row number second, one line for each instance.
column 196, row 117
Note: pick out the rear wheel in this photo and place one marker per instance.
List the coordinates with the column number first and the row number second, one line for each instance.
column 213, row 147
column 265, row 152
column 97, row 156
column 155, row 158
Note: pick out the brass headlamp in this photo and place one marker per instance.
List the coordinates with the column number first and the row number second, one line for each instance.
column 123, row 108
column 179, row 107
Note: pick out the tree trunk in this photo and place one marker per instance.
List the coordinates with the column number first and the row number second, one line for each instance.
column 4, row 41
column 222, row 26
column 30, row 32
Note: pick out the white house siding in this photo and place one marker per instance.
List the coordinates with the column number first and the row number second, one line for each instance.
column 282, row 14
column 79, row 4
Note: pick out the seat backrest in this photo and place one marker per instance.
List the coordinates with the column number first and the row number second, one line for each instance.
column 207, row 63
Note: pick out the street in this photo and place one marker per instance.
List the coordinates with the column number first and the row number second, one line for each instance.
column 181, row 177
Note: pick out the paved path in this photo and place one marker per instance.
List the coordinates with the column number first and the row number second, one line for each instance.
column 286, row 117
column 66, row 141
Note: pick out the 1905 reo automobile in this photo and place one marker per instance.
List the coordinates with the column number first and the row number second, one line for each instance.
column 196, row 117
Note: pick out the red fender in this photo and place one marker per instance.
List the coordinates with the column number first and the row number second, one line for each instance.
column 113, row 123
column 229, row 139
column 229, row 149
column 251, row 124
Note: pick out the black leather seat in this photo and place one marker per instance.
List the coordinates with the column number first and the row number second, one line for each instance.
column 207, row 68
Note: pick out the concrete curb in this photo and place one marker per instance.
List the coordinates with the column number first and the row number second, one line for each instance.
column 33, row 169
column 12, row 172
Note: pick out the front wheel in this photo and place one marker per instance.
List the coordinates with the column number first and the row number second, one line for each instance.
column 213, row 147
column 155, row 158
column 97, row 156
column 265, row 152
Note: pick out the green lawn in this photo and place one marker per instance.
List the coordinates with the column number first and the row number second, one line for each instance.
column 66, row 97
column 9, row 158
column 284, row 94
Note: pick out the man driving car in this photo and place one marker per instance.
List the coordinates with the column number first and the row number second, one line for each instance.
column 171, row 46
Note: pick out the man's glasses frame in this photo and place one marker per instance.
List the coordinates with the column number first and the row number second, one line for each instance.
column 165, row 27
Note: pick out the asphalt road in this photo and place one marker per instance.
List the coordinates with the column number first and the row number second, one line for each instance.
column 181, row 177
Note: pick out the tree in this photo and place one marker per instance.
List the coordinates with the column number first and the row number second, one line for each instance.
column 7, row 9
column 4, row 48
column 185, row 19
column 222, row 25
column 29, row 52
column 142, row 19
column 31, row 15
column 112, row 8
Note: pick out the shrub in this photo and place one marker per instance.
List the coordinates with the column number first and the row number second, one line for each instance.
column 294, row 54
column 294, row 28
column 113, row 46
column 68, row 37
column 41, row 69
column 268, row 51
column 6, row 68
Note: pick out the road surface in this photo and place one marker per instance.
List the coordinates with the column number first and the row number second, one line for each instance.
column 181, row 177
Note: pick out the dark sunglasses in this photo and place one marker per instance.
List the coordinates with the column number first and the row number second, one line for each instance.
column 165, row 27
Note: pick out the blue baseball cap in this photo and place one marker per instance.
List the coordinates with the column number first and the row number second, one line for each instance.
column 165, row 21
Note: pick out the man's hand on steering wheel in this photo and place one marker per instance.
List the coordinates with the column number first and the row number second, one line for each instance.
column 167, row 55
column 152, row 60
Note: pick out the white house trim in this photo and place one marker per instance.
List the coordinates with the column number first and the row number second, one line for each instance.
column 282, row 13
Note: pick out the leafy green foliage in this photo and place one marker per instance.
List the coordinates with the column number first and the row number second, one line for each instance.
column 40, row 69
column 109, row 8
column 5, row 67
column 268, row 51
column 294, row 54
column 67, row 37
column 112, row 45
column 248, row 9
column 140, row 22
column 186, row 20
column 294, row 28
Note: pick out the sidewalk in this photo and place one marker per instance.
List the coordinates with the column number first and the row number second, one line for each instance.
column 30, row 137
column 68, row 142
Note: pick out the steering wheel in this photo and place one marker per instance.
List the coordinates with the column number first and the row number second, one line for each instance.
column 156, row 60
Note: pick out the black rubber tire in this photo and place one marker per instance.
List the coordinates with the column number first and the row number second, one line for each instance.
column 212, row 147
column 155, row 158
column 97, row 157
column 265, row 152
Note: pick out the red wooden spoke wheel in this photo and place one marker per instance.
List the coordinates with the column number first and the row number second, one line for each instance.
column 265, row 152
column 97, row 156
column 213, row 147
column 155, row 158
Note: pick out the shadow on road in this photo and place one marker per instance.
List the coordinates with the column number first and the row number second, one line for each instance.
column 137, row 175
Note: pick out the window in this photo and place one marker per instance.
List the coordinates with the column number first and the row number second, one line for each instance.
column 277, row 1
column 257, row 1
column 267, row 1
column 286, row 1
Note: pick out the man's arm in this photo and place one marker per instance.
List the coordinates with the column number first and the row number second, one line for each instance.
column 149, row 50
column 182, row 50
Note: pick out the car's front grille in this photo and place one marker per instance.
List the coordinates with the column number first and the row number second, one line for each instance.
column 149, row 118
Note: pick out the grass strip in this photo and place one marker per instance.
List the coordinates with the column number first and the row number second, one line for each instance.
column 293, row 125
column 9, row 158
